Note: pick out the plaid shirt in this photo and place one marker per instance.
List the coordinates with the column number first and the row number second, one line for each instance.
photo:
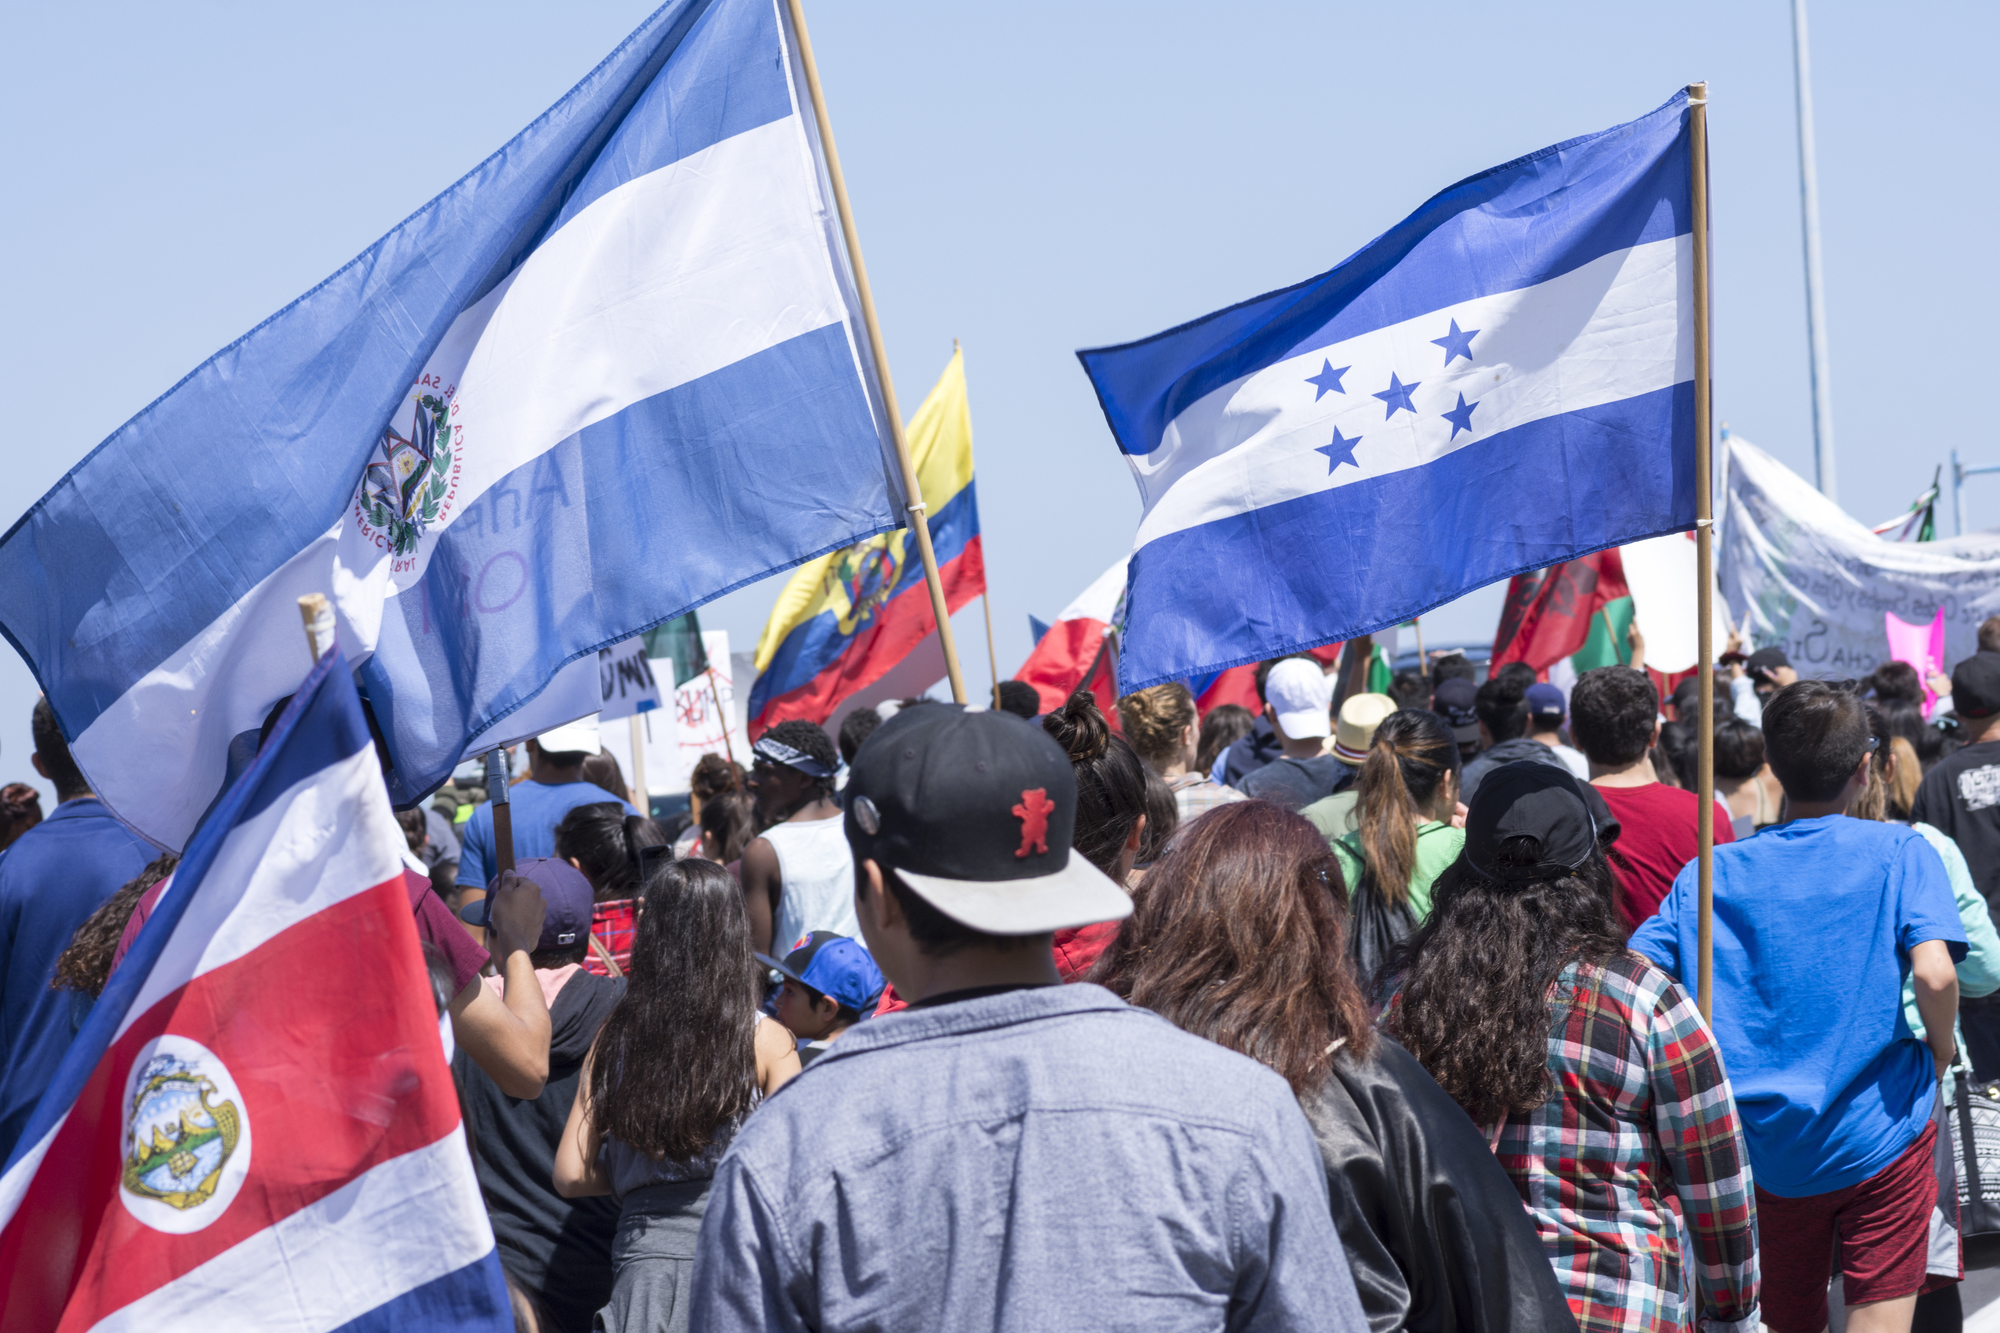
column 612, row 924
column 1195, row 794
column 1640, row 1141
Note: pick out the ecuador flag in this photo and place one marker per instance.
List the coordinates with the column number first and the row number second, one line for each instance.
column 846, row 619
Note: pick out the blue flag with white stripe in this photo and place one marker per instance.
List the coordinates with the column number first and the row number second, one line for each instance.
column 1503, row 381
column 614, row 372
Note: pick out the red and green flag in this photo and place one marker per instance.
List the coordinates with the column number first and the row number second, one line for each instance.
column 1563, row 611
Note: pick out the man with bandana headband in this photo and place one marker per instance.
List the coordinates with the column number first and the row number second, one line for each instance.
column 799, row 876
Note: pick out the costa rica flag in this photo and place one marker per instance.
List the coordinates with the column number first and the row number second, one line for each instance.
column 256, row 1127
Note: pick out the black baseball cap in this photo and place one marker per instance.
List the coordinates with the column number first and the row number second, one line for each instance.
column 974, row 811
column 1975, row 686
column 1452, row 700
column 1542, row 801
column 1766, row 659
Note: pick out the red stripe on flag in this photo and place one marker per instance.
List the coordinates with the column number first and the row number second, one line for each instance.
column 900, row 626
column 329, row 1032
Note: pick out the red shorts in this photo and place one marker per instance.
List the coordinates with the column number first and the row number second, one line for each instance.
column 1882, row 1227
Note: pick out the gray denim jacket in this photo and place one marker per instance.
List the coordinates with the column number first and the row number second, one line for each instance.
column 1038, row 1160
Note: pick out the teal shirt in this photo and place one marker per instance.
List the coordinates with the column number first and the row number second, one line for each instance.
column 1979, row 974
column 1438, row 845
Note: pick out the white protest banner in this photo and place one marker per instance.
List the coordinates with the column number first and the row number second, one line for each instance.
column 625, row 680
column 659, row 742
column 1817, row 582
column 706, row 718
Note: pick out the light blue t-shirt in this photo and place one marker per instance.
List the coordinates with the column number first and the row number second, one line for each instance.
column 1814, row 923
column 538, row 808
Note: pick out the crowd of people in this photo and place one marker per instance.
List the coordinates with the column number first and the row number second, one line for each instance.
column 1374, row 1012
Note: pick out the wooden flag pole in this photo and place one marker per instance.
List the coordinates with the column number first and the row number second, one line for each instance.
column 992, row 657
column 1423, row 662
column 919, row 524
column 317, row 613
column 1704, row 558
column 645, row 798
column 721, row 713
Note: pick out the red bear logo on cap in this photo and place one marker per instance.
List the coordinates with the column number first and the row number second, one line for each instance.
column 1033, row 812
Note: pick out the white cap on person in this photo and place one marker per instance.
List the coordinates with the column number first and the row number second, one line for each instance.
column 578, row 737
column 1301, row 694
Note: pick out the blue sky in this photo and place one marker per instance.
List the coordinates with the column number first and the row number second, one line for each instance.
column 1029, row 178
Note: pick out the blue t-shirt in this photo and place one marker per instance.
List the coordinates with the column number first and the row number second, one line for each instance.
column 1814, row 923
column 52, row 878
column 538, row 808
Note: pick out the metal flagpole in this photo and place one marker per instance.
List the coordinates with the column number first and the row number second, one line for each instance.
column 1822, row 388
column 1704, row 556
column 919, row 524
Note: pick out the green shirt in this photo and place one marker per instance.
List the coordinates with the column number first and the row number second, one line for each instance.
column 1333, row 815
column 1438, row 845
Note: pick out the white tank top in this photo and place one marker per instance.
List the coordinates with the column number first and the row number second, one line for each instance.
column 817, row 871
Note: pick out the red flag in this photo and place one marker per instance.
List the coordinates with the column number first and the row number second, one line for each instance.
column 1547, row 616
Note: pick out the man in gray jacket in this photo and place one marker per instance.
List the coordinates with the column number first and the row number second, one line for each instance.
column 1010, row 1153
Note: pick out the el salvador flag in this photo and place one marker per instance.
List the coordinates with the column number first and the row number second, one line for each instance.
column 614, row 372
column 256, row 1127
column 1502, row 381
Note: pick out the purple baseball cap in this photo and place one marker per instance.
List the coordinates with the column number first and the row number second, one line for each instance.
column 565, row 892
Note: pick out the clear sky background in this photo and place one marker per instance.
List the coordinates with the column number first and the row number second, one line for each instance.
column 1030, row 178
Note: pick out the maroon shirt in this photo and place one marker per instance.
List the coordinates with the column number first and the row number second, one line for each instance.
column 1657, row 836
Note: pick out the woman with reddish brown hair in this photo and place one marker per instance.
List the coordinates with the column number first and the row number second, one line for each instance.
column 1238, row 935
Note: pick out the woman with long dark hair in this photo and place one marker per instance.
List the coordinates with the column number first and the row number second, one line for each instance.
column 678, row 1065
column 1589, row 1068
column 1236, row 935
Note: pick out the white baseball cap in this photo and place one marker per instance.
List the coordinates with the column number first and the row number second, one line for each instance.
column 575, row 737
column 1302, row 697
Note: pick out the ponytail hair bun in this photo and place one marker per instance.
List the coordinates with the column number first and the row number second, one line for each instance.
column 1079, row 727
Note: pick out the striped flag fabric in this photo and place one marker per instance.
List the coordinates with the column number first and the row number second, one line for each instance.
column 615, row 371
column 1077, row 648
column 256, row 1127
column 1501, row 382
column 847, row 621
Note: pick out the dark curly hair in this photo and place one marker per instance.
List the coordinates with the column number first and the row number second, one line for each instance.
column 1110, row 780
column 808, row 738
column 86, row 964
column 676, row 1059
column 1475, row 1004
column 1239, row 935
column 1611, row 714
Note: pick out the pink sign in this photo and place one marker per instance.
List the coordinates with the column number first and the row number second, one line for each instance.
column 1922, row 646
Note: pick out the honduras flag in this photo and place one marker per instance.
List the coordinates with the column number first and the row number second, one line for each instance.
column 1503, row 381
column 615, row 371
column 256, row 1127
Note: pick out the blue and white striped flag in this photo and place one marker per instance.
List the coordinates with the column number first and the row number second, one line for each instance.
column 1503, row 381
column 615, row 371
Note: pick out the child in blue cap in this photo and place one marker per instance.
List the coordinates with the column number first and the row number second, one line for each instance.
column 830, row 985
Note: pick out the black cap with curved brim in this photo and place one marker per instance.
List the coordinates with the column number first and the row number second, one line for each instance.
column 1540, row 801
column 974, row 810
column 1975, row 686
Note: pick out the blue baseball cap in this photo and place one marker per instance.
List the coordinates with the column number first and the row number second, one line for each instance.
column 833, row 965
column 1545, row 700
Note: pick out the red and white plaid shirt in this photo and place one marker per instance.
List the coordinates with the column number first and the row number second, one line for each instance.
column 613, row 924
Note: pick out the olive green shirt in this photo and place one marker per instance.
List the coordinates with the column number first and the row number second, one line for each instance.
column 1438, row 845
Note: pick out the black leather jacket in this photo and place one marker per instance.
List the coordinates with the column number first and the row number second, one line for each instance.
column 1436, row 1234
